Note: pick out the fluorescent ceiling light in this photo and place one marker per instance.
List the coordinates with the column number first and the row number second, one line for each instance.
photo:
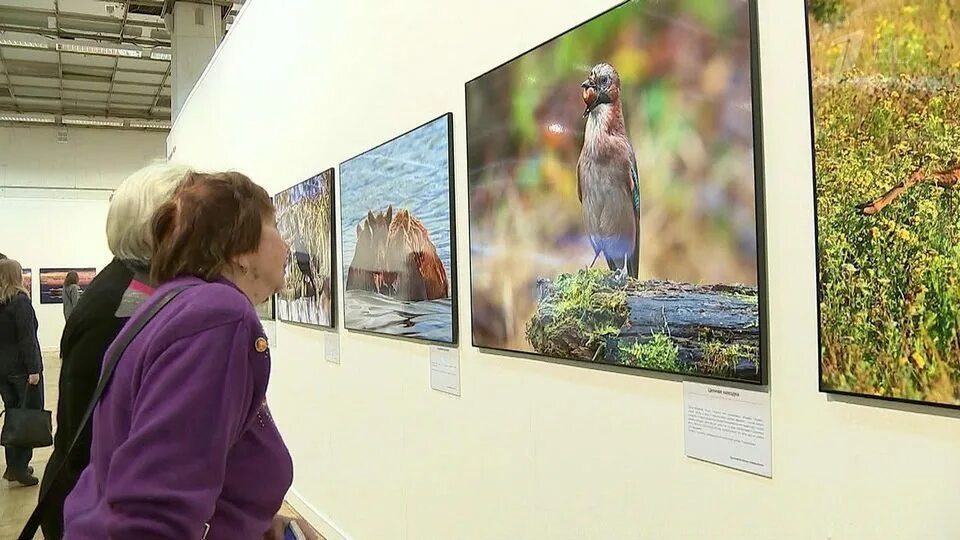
column 92, row 122
column 145, row 124
column 159, row 55
column 96, row 49
column 23, row 43
column 27, row 118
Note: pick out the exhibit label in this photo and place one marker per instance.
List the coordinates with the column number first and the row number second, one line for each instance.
column 728, row 426
column 331, row 347
column 445, row 370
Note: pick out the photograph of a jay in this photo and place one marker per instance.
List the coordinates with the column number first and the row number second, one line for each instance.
column 613, row 190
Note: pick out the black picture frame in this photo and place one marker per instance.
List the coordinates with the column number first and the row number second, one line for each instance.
column 333, row 255
column 272, row 315
column 763, row 375
column 821, row 387
column 451, row 201
column 54, row 295
column 27, row 274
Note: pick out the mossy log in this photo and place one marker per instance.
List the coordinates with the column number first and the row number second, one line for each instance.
column 598, row 316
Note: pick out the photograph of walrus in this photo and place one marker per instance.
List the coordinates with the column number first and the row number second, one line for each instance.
column 399, row 265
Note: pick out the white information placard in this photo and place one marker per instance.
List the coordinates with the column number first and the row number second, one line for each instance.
column 445, row 370
column 728, row 426
column 331, row 347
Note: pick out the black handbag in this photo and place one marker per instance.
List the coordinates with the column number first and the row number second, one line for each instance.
column 122, row 341
column 27, row 428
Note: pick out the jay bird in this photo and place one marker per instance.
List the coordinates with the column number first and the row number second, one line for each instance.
column 607, row 182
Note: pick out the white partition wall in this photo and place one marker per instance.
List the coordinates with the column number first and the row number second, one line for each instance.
column 532, row 449
column 54, row 200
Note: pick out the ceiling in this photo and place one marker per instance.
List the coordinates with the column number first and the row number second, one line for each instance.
column 94, row 63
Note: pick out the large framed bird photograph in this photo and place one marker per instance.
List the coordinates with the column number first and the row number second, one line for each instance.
column 305, row 218
column 399, row 240
column 616, row 194
column 886, row 119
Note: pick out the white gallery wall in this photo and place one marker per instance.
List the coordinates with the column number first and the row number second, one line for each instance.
column 534, row 449
column 63, row 223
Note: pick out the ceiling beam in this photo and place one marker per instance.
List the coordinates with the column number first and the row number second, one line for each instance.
column 56, row 7
column 102, row 19
column 88, row 78
column 6, row 71
column 96, row 102
column 91, row 111
column 116, row 62
column 78, row 67
column 156, row 98
column 93, row 36
column 104, row 92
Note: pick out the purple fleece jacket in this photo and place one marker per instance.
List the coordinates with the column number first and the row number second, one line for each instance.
column 183, row 443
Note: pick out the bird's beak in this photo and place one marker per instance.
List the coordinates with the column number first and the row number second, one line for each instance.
column 590, row 96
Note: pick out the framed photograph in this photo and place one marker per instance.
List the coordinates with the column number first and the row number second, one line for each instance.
column 886, row 128
column 28, row 281
column 305, row 218
column 267, row 310
column 399, row 249
column 52, row 279
column 616, row 194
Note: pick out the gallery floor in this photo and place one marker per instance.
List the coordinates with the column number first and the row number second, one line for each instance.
column 17, row 502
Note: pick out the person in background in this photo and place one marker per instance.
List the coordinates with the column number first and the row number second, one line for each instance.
column 20, row 362
column 185, row 447
column 108, row 302
column 71, row 293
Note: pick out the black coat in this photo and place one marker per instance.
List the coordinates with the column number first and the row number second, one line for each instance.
column 89, row 331
column 19, row 349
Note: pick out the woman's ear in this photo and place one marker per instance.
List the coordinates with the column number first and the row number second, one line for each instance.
column 242, row 264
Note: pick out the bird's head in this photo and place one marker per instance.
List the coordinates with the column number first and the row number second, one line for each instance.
column 601, row 87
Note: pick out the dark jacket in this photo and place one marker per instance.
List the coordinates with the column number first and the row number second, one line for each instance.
column 19, row 349
column 91, row 328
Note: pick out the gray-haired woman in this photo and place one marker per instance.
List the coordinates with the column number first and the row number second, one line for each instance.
column 108, row 302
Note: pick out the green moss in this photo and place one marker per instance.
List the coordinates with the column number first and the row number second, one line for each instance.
column 589, row 304
column 723, row 358
column 659, row 353
column 828, row 11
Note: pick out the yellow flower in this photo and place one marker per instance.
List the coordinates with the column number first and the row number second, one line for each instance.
column 918, row 359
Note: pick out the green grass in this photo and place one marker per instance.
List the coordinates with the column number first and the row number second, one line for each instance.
column 890, row 310
column 659, row 353
column 722, row 359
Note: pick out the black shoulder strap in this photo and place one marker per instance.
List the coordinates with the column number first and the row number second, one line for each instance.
column 121, row 343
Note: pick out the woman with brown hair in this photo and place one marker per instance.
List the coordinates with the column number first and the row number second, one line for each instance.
column 20, row 363
column 183, row 442
column 71, row 293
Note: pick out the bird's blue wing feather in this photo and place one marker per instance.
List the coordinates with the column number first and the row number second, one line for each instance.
column 635, row 177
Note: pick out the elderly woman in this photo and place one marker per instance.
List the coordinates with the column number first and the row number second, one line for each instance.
column 94, row 323
column 184, row 444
